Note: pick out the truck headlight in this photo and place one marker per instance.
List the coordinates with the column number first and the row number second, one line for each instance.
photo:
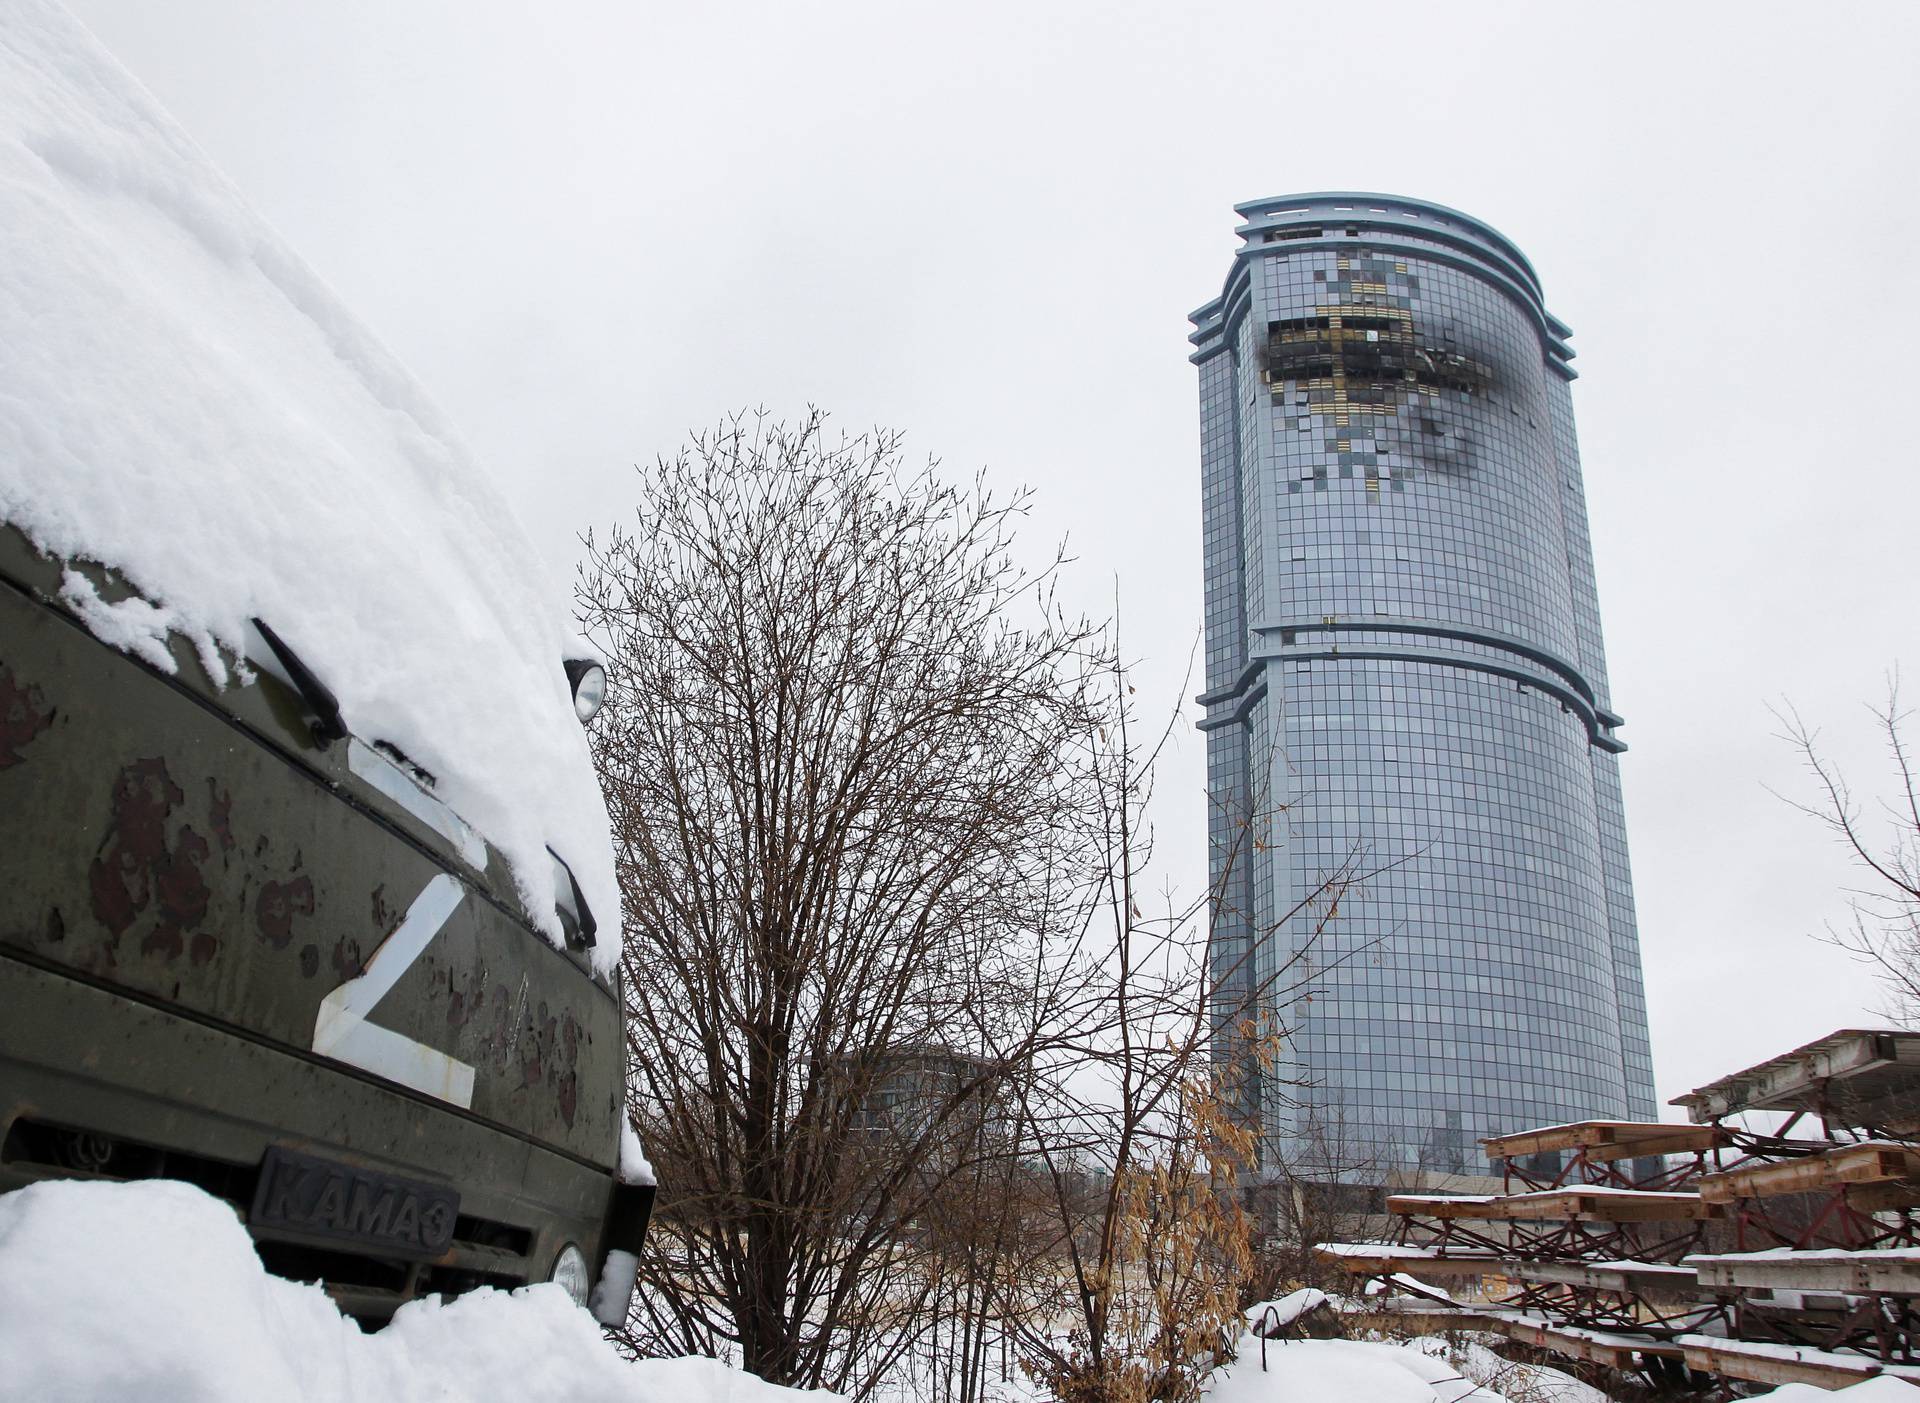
column 570, row 1273
column 589, row 681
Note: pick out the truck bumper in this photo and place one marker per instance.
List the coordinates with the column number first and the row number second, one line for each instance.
column 97, row 1083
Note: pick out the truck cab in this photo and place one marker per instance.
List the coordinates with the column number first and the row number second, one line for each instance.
column 243, row 947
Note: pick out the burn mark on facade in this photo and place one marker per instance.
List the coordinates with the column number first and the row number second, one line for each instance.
column 1365, row 360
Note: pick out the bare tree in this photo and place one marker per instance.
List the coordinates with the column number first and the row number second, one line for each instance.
column 921, row 1079
column 846, row 751
column 1136, row 1142
column 1883, row 929
column 1324, row 1187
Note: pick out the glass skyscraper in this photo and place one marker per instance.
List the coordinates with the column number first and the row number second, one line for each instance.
column 1404, row 672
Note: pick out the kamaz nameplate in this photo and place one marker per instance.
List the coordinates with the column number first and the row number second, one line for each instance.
column 311, row 1197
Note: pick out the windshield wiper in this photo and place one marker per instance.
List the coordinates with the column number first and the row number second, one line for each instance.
column 328, row 725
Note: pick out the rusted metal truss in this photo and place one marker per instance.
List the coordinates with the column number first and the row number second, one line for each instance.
column 1881, row 1327
column 1638, row 1238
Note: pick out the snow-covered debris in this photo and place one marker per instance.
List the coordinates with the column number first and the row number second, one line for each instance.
column 1521, row 1382
column 1423, row 1293
column 183, row 399
column 152, row 1291
column 1270, row 1318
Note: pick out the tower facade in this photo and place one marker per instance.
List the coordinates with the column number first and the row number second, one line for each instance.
column 1405, row 679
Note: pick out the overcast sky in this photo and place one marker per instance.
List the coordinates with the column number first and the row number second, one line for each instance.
column 588, row 227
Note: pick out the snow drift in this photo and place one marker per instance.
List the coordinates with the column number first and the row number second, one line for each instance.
column 1362, row 1371
column 152, row 1291
column 182, row 398
column 1432, row 1370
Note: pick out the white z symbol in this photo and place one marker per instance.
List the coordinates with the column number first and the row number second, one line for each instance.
column 343, row 1033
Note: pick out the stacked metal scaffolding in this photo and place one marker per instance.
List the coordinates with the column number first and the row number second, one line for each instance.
column 1783, row 1255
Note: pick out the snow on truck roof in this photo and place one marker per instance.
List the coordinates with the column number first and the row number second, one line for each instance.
column 185, row 400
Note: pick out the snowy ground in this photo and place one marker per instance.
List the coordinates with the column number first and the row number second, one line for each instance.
column 1433, row 1370
column 152, row 1291
column 1416, row 1371
column 1430, row 1370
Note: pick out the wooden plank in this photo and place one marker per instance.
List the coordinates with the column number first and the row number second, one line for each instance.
column 1777, row 1364
column 1576, row 1205
column 1432, row 1317
column 1852, row 1164
column 1854, row 1273
column 1386, row 1262
column 1608, row 1139
column 1441, row 1206
column 1575, row 1135
column 1650, row 1280
column 1614, row 1351
column 1787, row 1176
column 1872, row 1065
column 1685, row 1140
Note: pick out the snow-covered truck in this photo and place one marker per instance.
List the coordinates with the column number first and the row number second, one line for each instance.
column 306, row 887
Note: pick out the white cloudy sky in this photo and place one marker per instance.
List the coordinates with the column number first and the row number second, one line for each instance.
column 588, row 226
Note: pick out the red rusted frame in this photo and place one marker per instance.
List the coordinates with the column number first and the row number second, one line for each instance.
column 1759, row 1224
column 1579, row 1170
column 1523, row 1241
column 1617, row 1312
column 1550, row 1241
column 1880, row 1327
column 1678, row 1171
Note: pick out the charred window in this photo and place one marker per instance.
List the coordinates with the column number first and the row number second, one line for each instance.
column 1371, row 356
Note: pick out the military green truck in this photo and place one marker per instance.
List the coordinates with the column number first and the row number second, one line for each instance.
column 242, row 947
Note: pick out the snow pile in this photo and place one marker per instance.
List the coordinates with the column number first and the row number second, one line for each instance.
column 182, row 398
column 1346, row 1371
column 1882, row 1390
column 1433, row 1370
column 152, row 1291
